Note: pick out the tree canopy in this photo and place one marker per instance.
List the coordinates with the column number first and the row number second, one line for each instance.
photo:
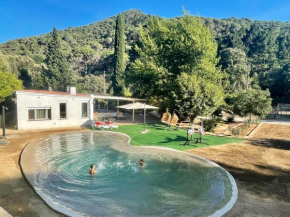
column 58, row 73
column 263, row 46
column 9, row 83
column 172, row 56
column 119, row 57
column 251, row 102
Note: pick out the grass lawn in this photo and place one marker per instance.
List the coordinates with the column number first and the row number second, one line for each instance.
column 160, row 136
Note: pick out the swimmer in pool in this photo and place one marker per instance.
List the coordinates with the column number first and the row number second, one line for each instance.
column 142, row 163
column 92, row 169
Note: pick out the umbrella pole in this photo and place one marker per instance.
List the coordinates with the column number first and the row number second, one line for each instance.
column 144, row 116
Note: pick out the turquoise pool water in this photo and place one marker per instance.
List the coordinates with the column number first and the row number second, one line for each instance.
column 171, row 184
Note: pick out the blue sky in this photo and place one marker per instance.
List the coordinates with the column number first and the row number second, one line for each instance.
column 24, row 18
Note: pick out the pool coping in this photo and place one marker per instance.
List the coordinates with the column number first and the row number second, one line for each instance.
column 67, row 212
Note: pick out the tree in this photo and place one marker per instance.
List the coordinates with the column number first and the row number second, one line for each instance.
column 236, row 65
column 9, row 83
column 251, row 102
column 92, row 84
column 119, row 57
column 58, row 73
column 176, row 66
column 199, row 96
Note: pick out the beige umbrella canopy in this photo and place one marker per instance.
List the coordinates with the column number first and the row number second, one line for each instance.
column 138, row 105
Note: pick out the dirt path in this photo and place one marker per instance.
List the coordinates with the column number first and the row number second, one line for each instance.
column 16, row 196
column 261, row 168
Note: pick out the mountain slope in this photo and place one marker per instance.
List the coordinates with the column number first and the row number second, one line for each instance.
column 90, row 48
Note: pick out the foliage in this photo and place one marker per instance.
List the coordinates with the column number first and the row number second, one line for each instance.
column 23, row 67
column 235, row 131
column 177, row 64
column 231, row 119
column 252, row 102
column 9, row 83
column 119, row 57
column 235, row 63
column 266, row 45
column 238, row 129
column 210, row 124
column 218, row 112
column 198, row 96
column 92, row 84
column 58, row 73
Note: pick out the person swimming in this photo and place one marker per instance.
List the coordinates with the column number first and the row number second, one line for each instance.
column 92, row 169
column 142, row 163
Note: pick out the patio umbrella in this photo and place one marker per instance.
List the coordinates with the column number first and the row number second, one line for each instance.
column 138, row 105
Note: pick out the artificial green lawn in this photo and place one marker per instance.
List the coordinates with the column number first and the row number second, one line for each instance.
column 159, row 135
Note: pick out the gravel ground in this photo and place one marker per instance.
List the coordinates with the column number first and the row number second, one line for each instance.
column 260, row 165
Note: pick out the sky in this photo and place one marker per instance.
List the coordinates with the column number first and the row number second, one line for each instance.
column 24, row 18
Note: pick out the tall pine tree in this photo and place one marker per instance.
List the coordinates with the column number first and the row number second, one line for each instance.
column 58, row 73
column 119, row 57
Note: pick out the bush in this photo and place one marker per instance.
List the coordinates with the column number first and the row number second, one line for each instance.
column 239, row 129
column 230, row 119
column 235, row 130
column 217, row 112
column 210, row 124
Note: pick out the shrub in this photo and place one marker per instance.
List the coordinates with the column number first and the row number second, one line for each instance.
column 217, row 112
column 235, row 130
column 210, row 124
column 230, row 119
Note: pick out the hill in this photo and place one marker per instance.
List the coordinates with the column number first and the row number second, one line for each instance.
column 89, row 49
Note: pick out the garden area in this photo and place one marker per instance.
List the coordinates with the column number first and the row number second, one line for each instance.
column 161, row 135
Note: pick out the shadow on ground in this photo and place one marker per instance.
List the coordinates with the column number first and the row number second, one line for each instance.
column 272, row 143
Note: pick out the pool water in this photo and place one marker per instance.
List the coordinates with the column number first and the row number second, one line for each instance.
column 171, row 184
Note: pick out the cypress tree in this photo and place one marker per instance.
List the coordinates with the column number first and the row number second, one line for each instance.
column 119, row 57
column 58, row 74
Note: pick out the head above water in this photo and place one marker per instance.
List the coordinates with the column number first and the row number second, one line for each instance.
column 92, row 166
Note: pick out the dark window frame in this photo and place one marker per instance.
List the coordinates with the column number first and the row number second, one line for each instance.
column 60, row 112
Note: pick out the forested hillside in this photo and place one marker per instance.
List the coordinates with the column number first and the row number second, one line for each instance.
column 251, row 52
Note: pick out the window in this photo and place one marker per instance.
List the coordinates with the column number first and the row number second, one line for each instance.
column 39, row 113
column 84, row 109
column 62, row 110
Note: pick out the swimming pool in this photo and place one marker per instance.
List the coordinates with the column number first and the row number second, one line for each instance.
column 173, row 183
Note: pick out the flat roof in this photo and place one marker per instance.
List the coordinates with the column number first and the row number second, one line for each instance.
column 117, row 98
column 48, row 92
column 95, row 96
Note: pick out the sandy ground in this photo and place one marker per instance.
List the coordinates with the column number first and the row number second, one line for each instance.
column 16, row 196
column 261, row 167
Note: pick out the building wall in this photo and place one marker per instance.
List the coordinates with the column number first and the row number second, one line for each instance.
column 36, row 100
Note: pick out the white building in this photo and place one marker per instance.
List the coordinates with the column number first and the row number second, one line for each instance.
column 38, row 109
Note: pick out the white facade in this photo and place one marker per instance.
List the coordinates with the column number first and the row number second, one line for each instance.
column 50, row 109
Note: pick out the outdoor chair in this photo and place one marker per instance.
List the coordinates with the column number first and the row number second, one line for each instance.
column 120, row 115
column 174, row 122
column 110, row 125
column 99, row 125
column 190, row 133
column 166, row 118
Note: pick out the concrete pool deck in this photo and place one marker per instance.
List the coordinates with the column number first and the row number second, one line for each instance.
column 260, row 166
